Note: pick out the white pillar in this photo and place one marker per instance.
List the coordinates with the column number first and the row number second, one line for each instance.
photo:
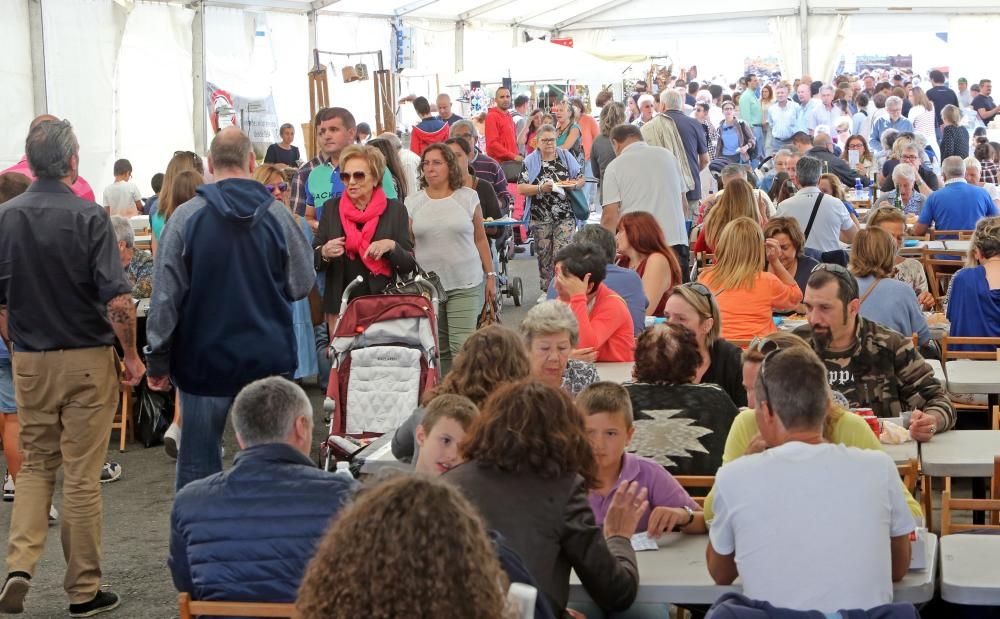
column 313, row 19
column 803, row 36
column 37, row 37
column 198, row 77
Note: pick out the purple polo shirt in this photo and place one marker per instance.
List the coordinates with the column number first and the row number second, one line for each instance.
column 664, row 491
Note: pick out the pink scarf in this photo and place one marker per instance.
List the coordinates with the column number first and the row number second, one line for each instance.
column 356, row 241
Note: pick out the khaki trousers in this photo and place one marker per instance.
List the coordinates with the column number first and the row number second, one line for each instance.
column 66, row 402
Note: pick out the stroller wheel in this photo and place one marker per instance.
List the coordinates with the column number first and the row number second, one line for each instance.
column 531, row 248
column 516, row 291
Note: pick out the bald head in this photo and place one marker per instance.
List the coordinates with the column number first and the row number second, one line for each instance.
column 39, row 120
column 822, row 140
column 231, row 152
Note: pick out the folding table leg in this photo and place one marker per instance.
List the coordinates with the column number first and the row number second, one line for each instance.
column 927, row 501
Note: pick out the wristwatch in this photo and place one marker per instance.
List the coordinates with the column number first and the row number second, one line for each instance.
column 690, row 516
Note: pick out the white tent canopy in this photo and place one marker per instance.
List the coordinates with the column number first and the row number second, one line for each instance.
column 130, row 73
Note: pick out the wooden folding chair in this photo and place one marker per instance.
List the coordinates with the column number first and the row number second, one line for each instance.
column 944, row 235
column 992, row 505
column 909, row 473
column 940, row 270
column 696, row 481
column 190, row 608
column 948, row 352
column 122, row 423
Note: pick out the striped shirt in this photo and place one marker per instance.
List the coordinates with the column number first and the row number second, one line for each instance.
column 784, row 121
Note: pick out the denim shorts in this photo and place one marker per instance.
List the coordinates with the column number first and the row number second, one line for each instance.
column 8, row 405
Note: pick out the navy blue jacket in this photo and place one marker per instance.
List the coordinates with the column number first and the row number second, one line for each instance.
column 247, row 534
column 229, row 265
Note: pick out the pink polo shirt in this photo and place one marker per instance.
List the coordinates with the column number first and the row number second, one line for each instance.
column 664, row 490
column 81, row 187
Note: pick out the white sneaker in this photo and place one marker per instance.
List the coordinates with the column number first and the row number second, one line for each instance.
column 53, row 515
column 112, row 471
column 542, row 298
column 8, row 487
column 172, row 440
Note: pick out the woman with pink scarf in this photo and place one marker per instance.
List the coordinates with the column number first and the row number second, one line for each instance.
column 361, row 233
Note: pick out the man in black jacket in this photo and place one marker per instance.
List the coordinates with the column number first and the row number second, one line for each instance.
column 823, row 150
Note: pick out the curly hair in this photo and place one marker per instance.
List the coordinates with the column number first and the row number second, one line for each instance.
column 666, row 354
column 455, row 177
column 445, row 561
column 529, row 427
column 492, row 356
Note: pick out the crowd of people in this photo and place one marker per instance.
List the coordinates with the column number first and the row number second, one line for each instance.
column 713, row 212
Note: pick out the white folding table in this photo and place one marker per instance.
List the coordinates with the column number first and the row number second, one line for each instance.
column 616, row 372
column 970, row 569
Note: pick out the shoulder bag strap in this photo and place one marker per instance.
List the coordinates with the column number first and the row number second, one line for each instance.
column 812, row 216
column 869, row 291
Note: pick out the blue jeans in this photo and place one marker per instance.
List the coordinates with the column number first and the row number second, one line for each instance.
column 203, row 419
column 758, row 135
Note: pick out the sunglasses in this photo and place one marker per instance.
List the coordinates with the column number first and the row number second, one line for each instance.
column 358, row 177
column 840, row 272
column 763, row 374
column 763, row 345
column 700, row 288
column 280, row 186
column 194, row 156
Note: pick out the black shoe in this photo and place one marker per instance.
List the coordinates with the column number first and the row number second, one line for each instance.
column 102, row 602
column 15, row 589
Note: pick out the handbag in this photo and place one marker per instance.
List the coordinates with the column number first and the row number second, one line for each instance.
column 577, row 201
column 156, row 409
column 490, row 314
column 835, row 256
column 410, row 285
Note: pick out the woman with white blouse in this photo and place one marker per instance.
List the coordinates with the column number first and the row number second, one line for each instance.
column 449, row 239
column 922, row 116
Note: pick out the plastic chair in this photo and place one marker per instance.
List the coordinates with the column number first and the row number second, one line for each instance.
column 190, row 608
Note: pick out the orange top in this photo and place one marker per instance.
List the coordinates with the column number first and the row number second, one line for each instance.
column 589, row 130
column 746, row 312
column 606, row 327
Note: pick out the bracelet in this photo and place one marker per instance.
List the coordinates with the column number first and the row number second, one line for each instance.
column 490, row 274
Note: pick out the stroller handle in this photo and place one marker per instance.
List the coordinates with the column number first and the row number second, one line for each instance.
column 357, row 281
column 429, row 287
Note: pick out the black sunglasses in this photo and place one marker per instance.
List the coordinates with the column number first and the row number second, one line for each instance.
column 841, row 272
column 763, row 374
column 700, row 288
column 763, row 345
column 358, row 176
column 280, row 186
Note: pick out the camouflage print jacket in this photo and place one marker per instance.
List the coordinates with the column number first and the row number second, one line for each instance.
column 885, row 373
column 139, row 273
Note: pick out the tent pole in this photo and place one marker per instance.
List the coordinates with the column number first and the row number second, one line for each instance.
column 459, row 46
column 313, row 18
column 37, row 37
column 804, row 34
column 198, row 77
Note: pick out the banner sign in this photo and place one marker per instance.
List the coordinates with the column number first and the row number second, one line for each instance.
column 256, row 117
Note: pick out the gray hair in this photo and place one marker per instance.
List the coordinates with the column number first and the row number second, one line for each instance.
column 545, row 129
column 889, row 135
column 265, row 410
column 905, row 170
column 123, row 230
column 230, row 149
column 467, row 124
column 671, row 99
column 793, row 382
column 49, row 147
column 286, row 126
column 600, row 237
column 822, row 139
column 893, row 101
column 548, row 318
column 827, row 88
column 733, row 170
column 392, row 139
column 953, row 167
column 784, row 152
column 972, row 162
column 808, row 170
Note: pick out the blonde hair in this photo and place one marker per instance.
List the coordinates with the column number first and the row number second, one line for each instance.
column 372, row 155
column 873, row 253
column 952, row 114
column 919, row 98
column 884, row 214
column 835, row 184
column 740, row 255
column 986, row 239
column 737, row 200
column 706, row 308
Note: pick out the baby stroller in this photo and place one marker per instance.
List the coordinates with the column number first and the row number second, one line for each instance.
column 385, row 356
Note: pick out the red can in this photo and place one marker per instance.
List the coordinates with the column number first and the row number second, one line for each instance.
column 869, row 416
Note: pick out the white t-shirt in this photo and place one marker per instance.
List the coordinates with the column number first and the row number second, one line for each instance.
column 648, row 178
column 810, row 525
column 121, row 197
column 831, row 218
column 444, row 238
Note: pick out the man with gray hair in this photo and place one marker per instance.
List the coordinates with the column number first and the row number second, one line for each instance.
column 824, row 219
column 247, row 534
column 822, row 113
column 822, row 149
column 64, row 310
column 229, row 266
column 483, row 166
column 893, row 119
column 138, row 263
column 956, row 206
column 626, row 283
column 685, row 138
column 844, row 521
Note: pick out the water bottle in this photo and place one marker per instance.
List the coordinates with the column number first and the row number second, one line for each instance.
column 654, row 320
column 344, row 470
column 859, row 190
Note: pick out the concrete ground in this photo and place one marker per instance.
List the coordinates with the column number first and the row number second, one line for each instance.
column 137, row 510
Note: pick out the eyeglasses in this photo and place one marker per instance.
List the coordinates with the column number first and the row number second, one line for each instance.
column 840, row 272
column 358, row 177
column 762, row 345
column 280, row 186
column 430, row 164
column 763, row 374
column 547, row 141
column 700, row 288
